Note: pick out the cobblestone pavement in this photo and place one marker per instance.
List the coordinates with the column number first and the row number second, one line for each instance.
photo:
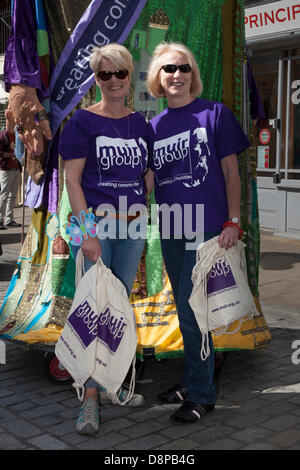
column 258, row 405
column 258, row 402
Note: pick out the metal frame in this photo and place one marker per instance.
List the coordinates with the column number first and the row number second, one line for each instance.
column 287, row 113
column 276, row 176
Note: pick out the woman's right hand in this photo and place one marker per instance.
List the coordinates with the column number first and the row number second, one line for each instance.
column 91, row 248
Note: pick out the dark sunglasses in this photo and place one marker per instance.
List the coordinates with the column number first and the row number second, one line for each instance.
column 172, row 68
column 106, row 75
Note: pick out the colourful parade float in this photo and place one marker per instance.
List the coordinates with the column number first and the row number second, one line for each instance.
column 42, row 287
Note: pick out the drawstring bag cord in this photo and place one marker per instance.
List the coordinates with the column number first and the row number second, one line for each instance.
column 116, row 397
column 210, row 253
column 209, row 257
column 80, row 389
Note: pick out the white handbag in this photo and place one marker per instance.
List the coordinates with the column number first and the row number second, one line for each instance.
column 221, row 294
column 99, row 338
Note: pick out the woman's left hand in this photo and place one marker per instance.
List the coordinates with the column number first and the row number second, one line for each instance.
column 228, row 237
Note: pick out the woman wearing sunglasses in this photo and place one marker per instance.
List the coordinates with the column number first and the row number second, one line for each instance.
column 105, row 158
column 192, row 152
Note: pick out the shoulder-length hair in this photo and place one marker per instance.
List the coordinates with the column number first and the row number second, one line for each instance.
column 157, row 61
column 116, row 53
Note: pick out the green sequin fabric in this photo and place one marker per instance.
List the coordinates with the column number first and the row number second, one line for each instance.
column 199, row 26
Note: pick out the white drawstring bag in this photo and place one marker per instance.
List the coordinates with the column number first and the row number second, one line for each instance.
column 221, row 294
column 99, row 339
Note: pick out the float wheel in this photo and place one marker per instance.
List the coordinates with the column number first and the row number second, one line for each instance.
column 220, row 357
column 54, row 370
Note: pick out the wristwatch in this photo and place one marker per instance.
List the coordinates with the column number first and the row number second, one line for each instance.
column 235, row 220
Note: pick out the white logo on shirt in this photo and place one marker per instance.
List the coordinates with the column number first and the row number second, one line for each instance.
column 167, row 152
column 201, row 136
column 114, row 153
column 174, row 159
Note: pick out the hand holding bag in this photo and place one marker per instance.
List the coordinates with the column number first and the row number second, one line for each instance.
column 99, row 339
column 221, row 294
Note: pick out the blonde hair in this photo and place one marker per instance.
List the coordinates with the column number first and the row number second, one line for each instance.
column 157, row 61
column 116, row 53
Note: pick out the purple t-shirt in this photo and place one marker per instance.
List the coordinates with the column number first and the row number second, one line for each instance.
column 186, row 146
column 116, row 153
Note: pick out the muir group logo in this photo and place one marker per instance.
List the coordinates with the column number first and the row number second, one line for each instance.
column 84, row 321
column 111, row 328
column 167, row 152
column 108, row 326
column 220, row 278
column 111, row 154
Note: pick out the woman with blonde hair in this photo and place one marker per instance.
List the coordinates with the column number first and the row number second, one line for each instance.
column 193, row 147
column 105, row 157
column 157, row 62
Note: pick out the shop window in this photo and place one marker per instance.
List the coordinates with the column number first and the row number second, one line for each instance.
column 266, row 77
column 265, row 71
column 294, row 140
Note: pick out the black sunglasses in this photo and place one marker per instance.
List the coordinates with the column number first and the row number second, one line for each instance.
column 106, row 75
column 172, row 68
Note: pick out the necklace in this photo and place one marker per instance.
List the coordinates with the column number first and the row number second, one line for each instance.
column 114, row 127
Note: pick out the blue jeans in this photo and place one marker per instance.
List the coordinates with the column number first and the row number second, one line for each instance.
column 198, row 375
column 122, row 256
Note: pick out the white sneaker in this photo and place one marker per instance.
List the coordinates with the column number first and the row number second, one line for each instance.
column 88, row 418
column 136, row 400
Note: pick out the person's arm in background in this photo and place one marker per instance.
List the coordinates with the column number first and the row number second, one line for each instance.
column 3, row 147
column 5, row 151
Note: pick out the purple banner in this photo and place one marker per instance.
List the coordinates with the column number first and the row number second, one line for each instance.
column 103, row 22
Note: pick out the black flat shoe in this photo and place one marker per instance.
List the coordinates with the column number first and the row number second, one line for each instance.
column 13, row 223
column 190, row 412
column 176, row 394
